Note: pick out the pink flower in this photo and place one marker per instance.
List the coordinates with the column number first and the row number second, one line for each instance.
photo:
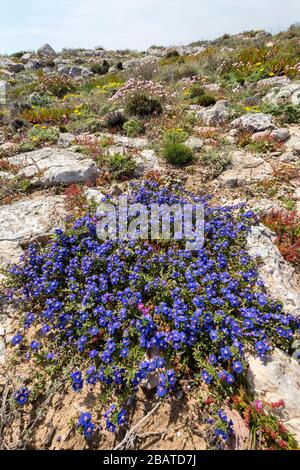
column 258, row 406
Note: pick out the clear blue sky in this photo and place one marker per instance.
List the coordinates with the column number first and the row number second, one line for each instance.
column 135, row 24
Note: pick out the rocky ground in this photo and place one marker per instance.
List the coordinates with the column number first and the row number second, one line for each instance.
column 70, row 132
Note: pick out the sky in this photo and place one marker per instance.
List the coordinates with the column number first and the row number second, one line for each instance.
column 134, row 24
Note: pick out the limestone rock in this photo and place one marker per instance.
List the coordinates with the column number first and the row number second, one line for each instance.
column 293, row 144
column 146, row 161
column 246, row 169
column 255, row 122
column 278, row 378
column 217, row 114
column 273, row 81
column 30, row 219
column 281, row 134
column 93, row 194
column 46, row 51
column 279, row 276
column 194, row 143
column 52, row 166
column 65, row 140
column 287, row 94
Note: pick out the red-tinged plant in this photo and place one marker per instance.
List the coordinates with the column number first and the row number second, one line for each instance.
column 266, row 429
column 90, row 146
column 286, row 225
column 277, row 404
column 75, row 199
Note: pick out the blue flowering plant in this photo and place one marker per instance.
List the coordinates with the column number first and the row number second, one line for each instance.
column 119, row 312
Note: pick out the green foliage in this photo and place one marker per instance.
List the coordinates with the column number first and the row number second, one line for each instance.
column 121, row 166
column 175, row 136
column 197, row 95
column 172, row 57
column 41, row 134
column 56, row 84
column 196, row 90
column 172, row 53
column 134, row 127
column 177, row 153
column 18, row 54
column 100, row 69
column 40, row 100
column 215, row 162
column 287, row 113
column 205, row 100
column 140, row 104
column 53, row 115
column 254, row 63
column 114, row 120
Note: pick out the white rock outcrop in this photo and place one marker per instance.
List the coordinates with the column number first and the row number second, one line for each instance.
column 51, row 166
column 278, row 275
column 278, row 378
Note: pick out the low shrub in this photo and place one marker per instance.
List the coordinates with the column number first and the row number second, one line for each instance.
column 286, row 113
column 100, row 69
column 53, row 115
column 134, row 127
column 177, row 153
column 121, row 166
column 215, row 163
column 114, row 119
column 175, row 136
column 140, row 104
column 205, row 100
column 56, row 84
column 196, row 90
column 40, row 134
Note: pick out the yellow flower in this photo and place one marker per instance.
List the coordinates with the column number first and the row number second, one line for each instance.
column 271, row 74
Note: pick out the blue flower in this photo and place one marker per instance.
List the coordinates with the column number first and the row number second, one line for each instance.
column 21, row 395
column 230, row 379
column 237, row 367
column 17, row 339
column 35, row 345
column 206, row 377
column 121, row 417
column 161, row 391
column 88, row 430
column 212, row 359
column 84, row 418
column 226, row 353
column 222, row 434
column 213, row 335
column 76, row 376
column 222, row 415
column 93, row 353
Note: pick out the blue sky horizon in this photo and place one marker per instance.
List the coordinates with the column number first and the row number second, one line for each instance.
column 135, row 24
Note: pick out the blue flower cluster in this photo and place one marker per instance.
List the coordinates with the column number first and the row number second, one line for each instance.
column 85, row 424
column 133, row 308
column 114, row 417
column 225, row 427
column 21, row 395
